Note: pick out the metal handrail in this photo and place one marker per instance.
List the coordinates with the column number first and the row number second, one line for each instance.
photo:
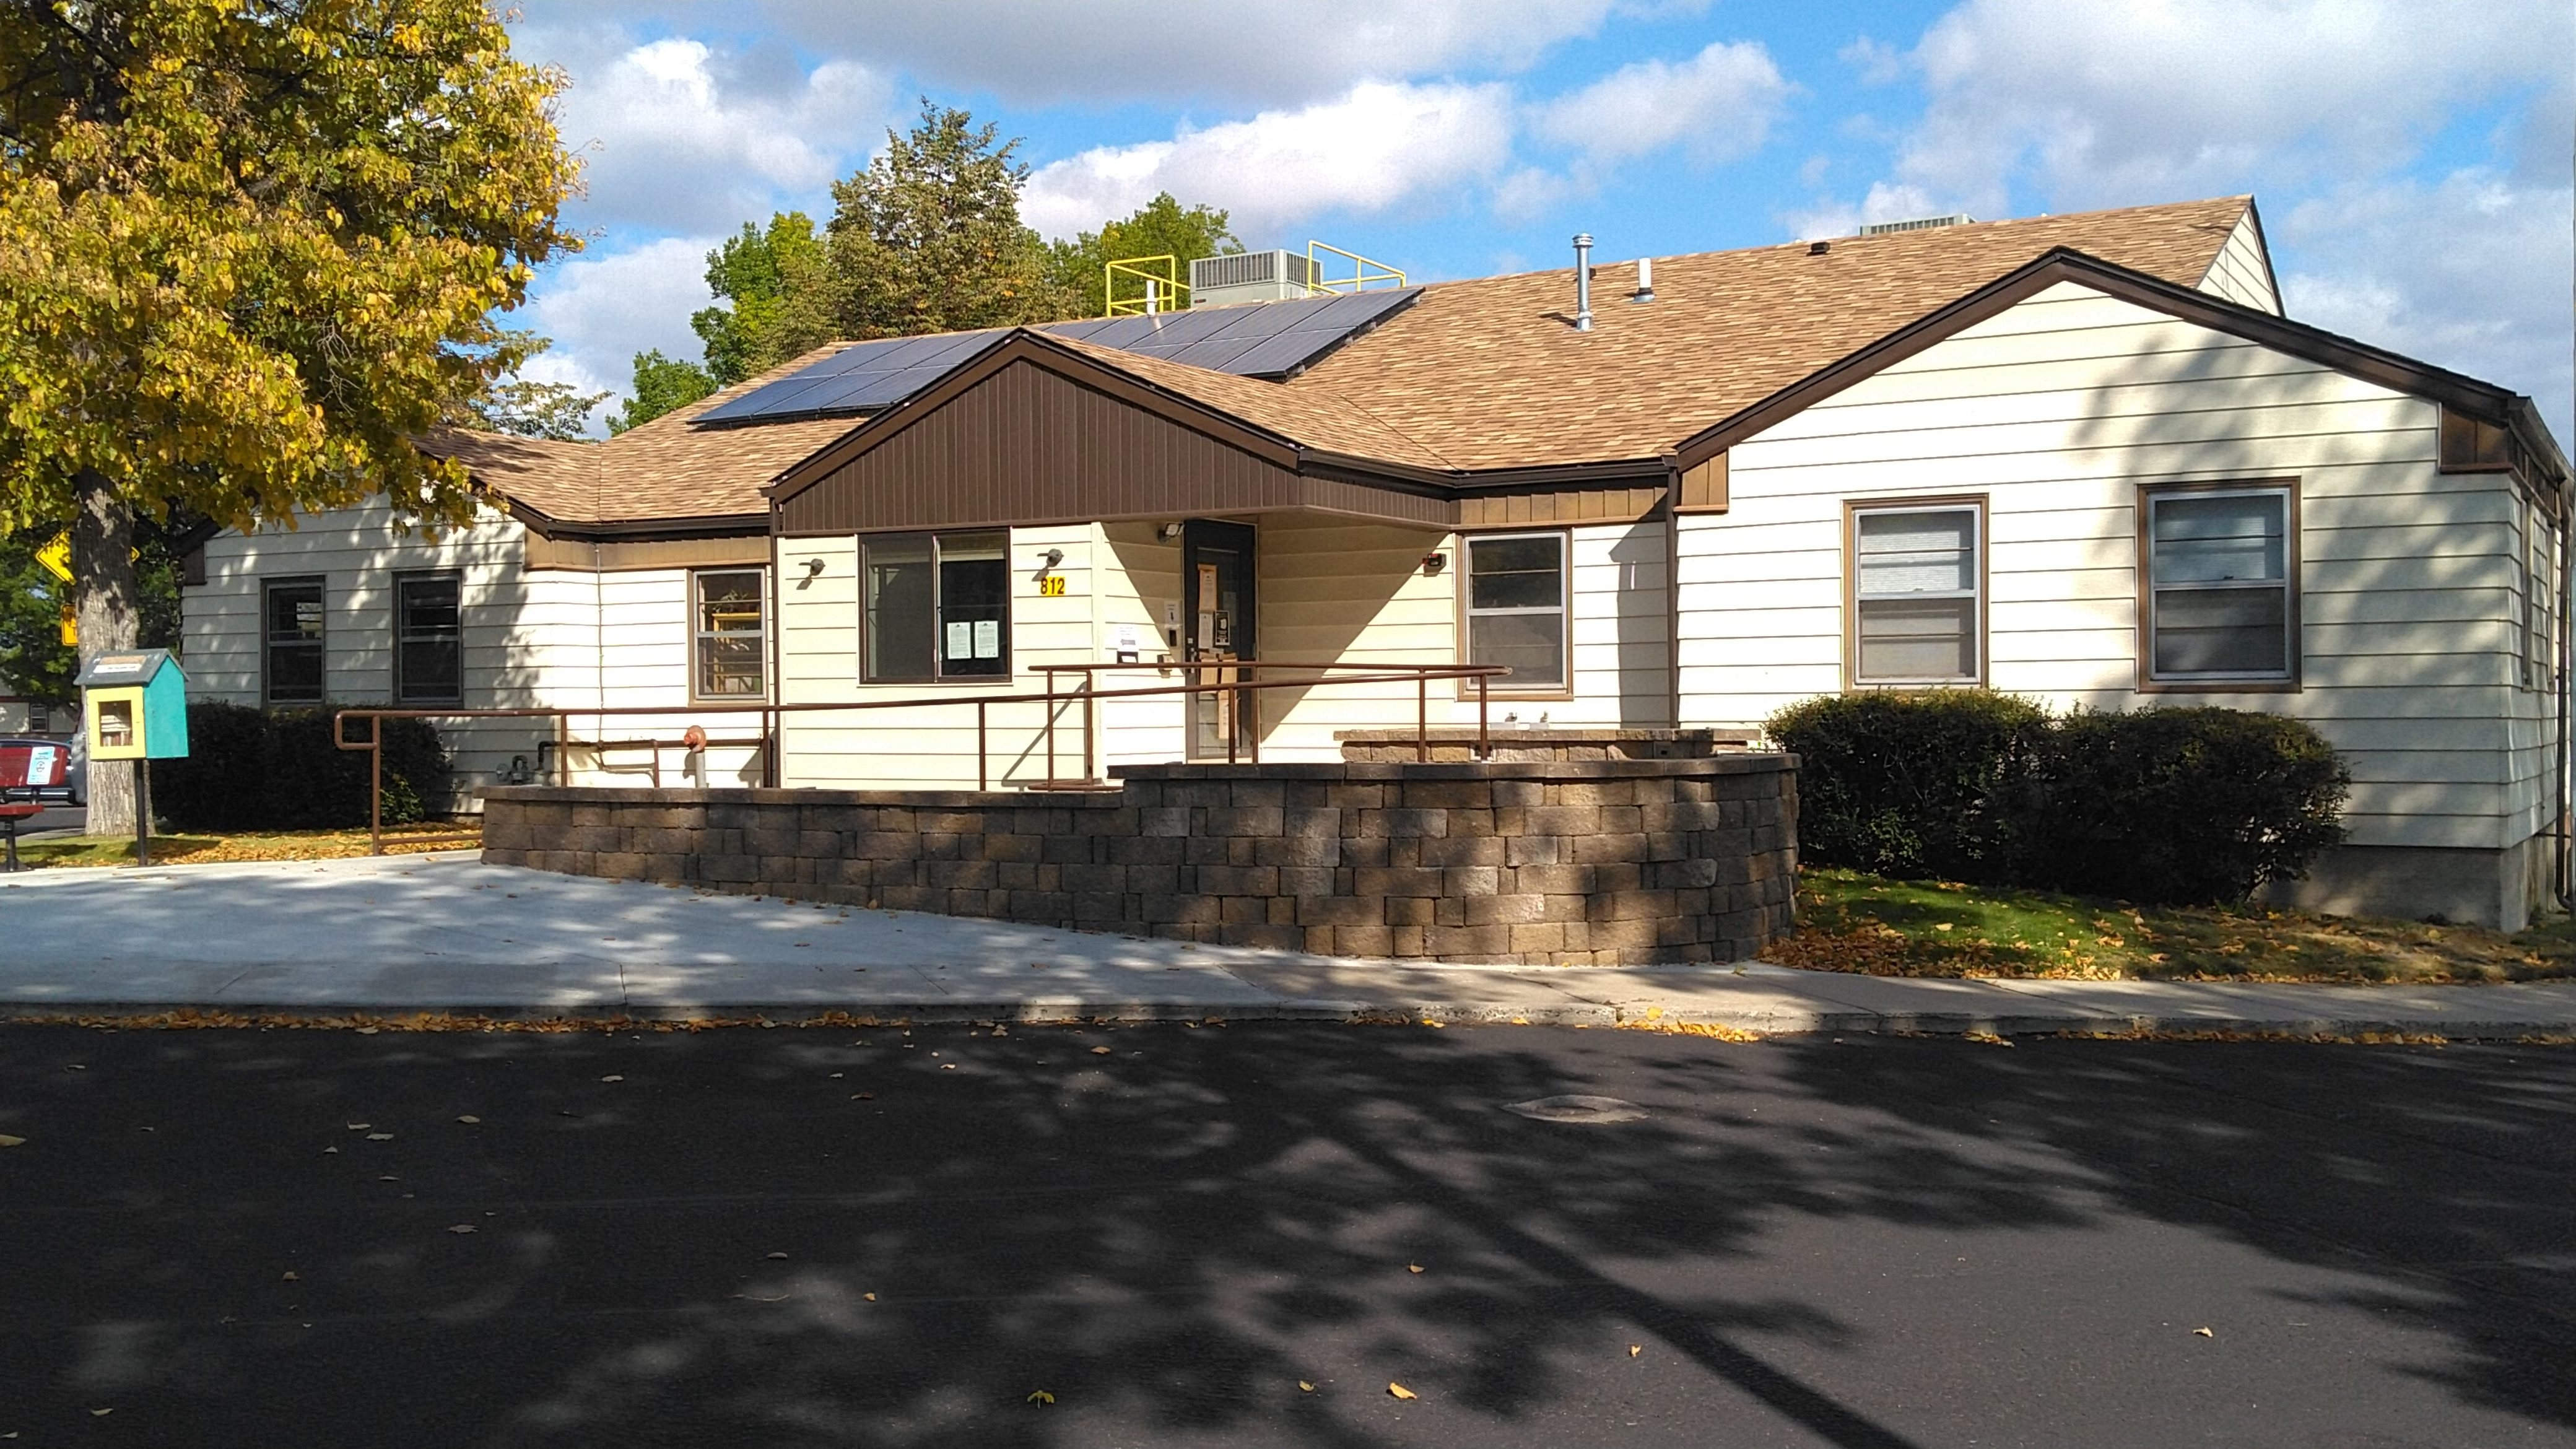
column 1420, row 675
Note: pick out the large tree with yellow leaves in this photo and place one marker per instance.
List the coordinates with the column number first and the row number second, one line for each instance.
column 250, row 250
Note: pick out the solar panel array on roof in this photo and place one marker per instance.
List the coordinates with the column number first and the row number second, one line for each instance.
column 1267, row 340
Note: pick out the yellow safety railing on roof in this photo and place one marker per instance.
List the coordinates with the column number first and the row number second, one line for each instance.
column 1364, row 272
column 1155, row 290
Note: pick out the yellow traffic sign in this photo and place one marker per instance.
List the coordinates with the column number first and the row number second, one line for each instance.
column 57, row 556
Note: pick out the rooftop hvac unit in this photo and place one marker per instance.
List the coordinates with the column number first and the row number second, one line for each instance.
column 1920, row 223
column 1272, row 276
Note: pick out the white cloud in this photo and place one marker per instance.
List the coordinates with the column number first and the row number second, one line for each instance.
column 604, row 308
column 1041, row 52
column 1717, row 105
column 1377, row 148
column 2471, row 273
column 1885, row 202
column 2107, row 104
column 678, row 135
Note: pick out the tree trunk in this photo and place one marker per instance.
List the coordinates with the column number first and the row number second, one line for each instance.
column 107, row 608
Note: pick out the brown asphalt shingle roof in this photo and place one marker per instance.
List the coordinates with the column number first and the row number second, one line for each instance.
column 1489, row 374
column 1473, row 375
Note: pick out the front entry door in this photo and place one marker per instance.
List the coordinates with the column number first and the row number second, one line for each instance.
column 1217, row 626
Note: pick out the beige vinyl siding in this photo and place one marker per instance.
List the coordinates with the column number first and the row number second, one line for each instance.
column 2057, row 411
column 928, row 744
column 557, row 638
column 2240, row 272
column 357, row 552
column 1354, row 593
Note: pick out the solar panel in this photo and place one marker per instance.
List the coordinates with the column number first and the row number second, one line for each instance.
column 1265, row 339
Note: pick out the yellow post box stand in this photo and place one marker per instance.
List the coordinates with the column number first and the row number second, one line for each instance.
column 135, row 707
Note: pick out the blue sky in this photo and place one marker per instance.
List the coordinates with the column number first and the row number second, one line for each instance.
column 2412, row 160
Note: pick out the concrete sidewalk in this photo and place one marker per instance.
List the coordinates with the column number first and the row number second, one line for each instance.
column 447, row 933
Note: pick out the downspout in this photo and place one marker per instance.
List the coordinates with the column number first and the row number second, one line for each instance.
column 2565, row 887
column 1673, row 591
column 598, row 649
column 773, row 770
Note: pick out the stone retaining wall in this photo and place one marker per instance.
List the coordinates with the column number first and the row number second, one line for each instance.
column 1567, row 863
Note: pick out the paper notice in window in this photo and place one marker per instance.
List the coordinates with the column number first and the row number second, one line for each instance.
column 961, row 640
column 988, row 638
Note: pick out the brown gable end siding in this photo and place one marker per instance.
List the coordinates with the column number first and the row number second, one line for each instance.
column 1030, row 445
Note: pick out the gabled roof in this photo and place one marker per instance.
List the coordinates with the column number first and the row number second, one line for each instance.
column 1482, row 384
column 1489, row 374
column 661, row 470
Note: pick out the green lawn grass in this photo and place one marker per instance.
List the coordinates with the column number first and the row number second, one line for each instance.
column 1848, row 921
column 202, row 849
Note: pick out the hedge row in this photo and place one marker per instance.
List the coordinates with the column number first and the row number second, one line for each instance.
column 251, row 769
column 2159, row 805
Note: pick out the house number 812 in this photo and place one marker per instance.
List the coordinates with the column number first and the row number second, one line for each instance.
column 1051, row 587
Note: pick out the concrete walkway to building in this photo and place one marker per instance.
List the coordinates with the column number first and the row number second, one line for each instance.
column 447, row 933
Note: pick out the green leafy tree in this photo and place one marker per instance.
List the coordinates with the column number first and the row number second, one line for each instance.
column 248, row 252
column 771, row 278
column 928, row 238
column 661, row 385
column 34, row 660
column 556, row 410
column 1161, row 227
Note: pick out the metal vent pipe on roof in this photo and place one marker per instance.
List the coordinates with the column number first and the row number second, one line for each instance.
column 1645, row 281
column 1583, row 281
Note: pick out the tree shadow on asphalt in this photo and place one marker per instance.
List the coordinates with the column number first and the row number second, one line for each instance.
column 1168, row 1237
column 2469, row 1232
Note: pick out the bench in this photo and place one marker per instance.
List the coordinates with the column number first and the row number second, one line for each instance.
column 24, row 771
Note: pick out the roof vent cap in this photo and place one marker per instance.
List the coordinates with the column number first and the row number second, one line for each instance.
column 1919, row 223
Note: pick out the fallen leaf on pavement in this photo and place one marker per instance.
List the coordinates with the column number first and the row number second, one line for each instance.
column 778, row 1257
column 471, row 1121
column 360, row 1126
column 462, row 1228
column 869, row 1296
column 613, row 1077
column 8, row 1141
column 1635, row 1349
column 863, row 1096
column 100, row 1413
column 2204, row 1333
column 1100, row 1051
column 1040, row 1396
column 330, row 1151
column 1401, row 1392
column 1413, row 1267
column 380, row 1137
column 1307, row 1387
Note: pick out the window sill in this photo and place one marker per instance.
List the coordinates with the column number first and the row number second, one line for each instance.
column 2275, row 685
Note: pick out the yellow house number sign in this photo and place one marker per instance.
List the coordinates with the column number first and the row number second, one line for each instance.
column 1051, row 587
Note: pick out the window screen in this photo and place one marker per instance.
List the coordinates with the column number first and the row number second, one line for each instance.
column 1516, row 593
column 429, row 654
column 292, row 626
column 1915, row 585
column 732, row 638
column 938, row 606
column 2218, row 572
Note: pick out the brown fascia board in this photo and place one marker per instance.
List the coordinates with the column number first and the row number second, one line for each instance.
column 2062, row 264
column 1023, row 345
column 634, row 530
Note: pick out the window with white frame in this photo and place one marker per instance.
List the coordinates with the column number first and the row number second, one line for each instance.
column 1516, row 608
column 1918, row 594
column 429, row 646
column 937, row 606
column 731, row 636
column 2222, row 601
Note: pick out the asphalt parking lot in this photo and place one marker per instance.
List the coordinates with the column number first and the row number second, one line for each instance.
column 1246, row 1234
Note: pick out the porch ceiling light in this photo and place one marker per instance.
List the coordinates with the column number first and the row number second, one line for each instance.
column 1052, row 557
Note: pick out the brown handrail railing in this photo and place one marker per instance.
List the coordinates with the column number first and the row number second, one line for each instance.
column 1420, row 675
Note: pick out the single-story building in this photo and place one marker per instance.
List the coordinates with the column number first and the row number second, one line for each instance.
column 2082, row 458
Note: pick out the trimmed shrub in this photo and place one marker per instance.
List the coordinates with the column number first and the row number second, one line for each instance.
column 1914, row 784
column 2171, row 806
column 2187, row 806
column 250, row 769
